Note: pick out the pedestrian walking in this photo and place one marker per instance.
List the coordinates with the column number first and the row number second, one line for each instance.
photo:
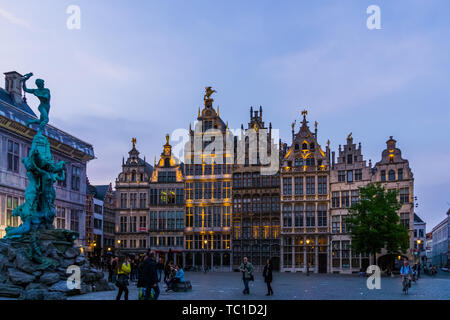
column 267, row 274
column 160, row 268
column 167, row 271
column 114, row 262
column 247, row 274
column 150, row 276
column 123, row 272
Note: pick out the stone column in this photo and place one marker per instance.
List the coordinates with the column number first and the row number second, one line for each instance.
column 221, row 260
column 175, row 258
column 184, row 259
column 212, row 260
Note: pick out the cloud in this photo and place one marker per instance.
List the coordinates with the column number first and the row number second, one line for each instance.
column 342, row 75
column 104, row 68
column 11, row 18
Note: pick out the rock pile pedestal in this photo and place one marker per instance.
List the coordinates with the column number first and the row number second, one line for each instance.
column 21, row 277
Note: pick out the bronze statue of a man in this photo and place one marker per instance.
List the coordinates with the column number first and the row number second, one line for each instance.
column 43, row 94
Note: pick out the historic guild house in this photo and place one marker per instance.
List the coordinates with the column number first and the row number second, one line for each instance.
column 215, row 209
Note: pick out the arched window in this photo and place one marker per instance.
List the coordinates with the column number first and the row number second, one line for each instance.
column 167, row 162
column 133, row 176
column 304, row 146
column 296, row 146
column 391, row 175
column 312, row 146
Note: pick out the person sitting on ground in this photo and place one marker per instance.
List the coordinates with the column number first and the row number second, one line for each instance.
column 179, row 277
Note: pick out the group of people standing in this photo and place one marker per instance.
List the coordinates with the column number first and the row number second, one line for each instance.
column 143, row 270
column 246, row 268
column 146, row 271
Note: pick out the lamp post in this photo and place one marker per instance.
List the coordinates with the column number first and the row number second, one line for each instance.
column 204, row 254
column 307, row 256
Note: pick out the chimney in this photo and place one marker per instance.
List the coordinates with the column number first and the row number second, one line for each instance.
column 13, row 84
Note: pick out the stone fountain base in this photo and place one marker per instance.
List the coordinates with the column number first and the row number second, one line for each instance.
column 23, row 278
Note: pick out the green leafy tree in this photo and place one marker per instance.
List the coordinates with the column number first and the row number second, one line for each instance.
column 374, row 222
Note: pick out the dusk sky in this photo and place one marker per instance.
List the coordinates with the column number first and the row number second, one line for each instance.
column 139, row 69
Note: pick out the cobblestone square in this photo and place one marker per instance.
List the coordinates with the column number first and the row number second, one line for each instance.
column 295, row 286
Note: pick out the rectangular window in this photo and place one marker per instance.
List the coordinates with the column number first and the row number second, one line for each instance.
column 335, row 199
column 322, row 184
column 404, row 195
column 310, row 185
column 133, row 200
column 350, row 176
column 143, row 223
column 345, row 199
column 287, row 215
column 226, row 216
column 341, row 175
column 153, row 220
column 322, row 215
column 133, row 223
column 310, row 216
column 74, row 220
column 298, row 215
column 355, row 196
column 287, row 186
column 335, row 224
column 349, row 159
column 11, row 204
column 76, row 178
column 298, row 185
column 142, row 200
column 400, row 174
column 227, row 186
column 358, row 174
column 13, row 156
column 153, row 196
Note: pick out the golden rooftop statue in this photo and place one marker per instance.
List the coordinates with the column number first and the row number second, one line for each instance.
column 133, row 141
column 349, row 136
column 167, row 138
column 304, row 112
column 209, row 92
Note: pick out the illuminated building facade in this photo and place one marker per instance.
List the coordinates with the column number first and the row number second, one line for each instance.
column 166, row 212
column 347, row 175
column 132, row 185
column 256, row 202
column 305, row 202
column 208, row 191
column 394, row 173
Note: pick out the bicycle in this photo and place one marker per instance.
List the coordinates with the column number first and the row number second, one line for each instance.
column 406, row 283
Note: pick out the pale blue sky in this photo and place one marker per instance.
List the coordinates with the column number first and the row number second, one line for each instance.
column 139, row 68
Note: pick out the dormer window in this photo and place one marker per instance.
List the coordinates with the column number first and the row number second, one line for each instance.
column 312, row 146
column 296, row 146
column 349, row 159
column 133, row 176
column 304, row 146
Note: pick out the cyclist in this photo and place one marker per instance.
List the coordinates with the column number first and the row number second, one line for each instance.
column 405, row 272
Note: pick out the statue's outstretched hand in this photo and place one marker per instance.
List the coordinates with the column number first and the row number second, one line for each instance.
column 27, row 76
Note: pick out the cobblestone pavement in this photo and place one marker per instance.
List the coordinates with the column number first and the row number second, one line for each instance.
column 294, row 286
